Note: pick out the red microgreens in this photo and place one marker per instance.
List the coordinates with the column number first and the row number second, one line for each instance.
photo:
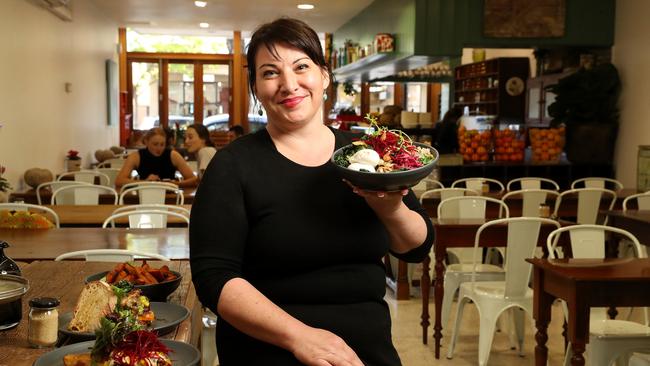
column 140, row 344
column 402, row 152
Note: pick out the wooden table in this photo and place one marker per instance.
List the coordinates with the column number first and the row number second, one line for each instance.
column 29, row 196
column 95, row 215
column 46, row 244
column 608, row 282
column 65, row 280
column 458, row 233
column 634, row 221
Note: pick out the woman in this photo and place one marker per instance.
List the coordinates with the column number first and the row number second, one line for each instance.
column 155, row 163
column 287, row 254
column 197, row 141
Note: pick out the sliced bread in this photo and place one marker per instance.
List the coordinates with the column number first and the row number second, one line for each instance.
column 96, row 300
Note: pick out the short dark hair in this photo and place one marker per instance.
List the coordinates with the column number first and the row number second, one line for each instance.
column 292, row 32
column 237, row 129
column 203, row 133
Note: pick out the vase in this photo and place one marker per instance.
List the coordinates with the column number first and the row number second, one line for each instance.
column 72, row 165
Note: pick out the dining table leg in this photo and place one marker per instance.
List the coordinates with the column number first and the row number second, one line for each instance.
column 542, row 303
column 425, row 285
column 578, row 324
column 438, row 292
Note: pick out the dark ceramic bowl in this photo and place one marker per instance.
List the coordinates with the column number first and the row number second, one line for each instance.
column 157, row 292
column 386, row 182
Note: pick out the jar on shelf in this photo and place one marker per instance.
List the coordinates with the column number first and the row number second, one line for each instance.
column 509, row 143
column 43, row 322
column 547, row 144
column 474, row 145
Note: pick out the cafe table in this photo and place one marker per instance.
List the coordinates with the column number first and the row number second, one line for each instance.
column 584, row 283
column 46, row 244
column 29, row 196
column 64, row 281
column 95, row 215
column 636, row 222
column 457, row 233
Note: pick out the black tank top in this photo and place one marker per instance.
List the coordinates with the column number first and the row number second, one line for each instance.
column 159, row 165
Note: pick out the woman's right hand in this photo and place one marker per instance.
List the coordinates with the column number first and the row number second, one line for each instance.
column 319, row 347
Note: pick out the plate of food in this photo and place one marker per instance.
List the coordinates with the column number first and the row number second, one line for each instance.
column 155, row 283
column 384, row 160
column 79, row 354
column 167, row 316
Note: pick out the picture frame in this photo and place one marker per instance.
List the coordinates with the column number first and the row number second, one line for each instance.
column 112, row 111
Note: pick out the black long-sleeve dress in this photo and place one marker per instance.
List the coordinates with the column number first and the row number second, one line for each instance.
column 302, row 238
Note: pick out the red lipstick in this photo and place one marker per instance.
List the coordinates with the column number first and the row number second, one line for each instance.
column 292, row 102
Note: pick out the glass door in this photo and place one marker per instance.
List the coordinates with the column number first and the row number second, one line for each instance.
column 180, row 100
column 145, row 81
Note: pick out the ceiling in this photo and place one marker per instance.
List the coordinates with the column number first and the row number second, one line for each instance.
column 181, row 17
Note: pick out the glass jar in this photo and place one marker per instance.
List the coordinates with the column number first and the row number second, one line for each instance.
column 43, row 322
column 544, row 211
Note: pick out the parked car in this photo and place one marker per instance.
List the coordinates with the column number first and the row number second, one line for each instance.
column 219, row 122
column 174, row 120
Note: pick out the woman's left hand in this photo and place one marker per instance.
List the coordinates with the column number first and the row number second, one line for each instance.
column 383, row 203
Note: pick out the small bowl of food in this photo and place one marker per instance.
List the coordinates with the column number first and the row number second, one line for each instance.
column 155, row 283
column 385, row 160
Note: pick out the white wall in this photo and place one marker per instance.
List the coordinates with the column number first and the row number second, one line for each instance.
column 40, row 53
column 632, row 58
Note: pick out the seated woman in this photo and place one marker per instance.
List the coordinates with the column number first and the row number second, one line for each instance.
column 197, row 141
column 156, row 163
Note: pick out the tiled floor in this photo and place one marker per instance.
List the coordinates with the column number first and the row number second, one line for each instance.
column 407, row 337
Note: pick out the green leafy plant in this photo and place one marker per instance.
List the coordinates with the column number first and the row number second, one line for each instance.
column 4, row 183
column 587, row 96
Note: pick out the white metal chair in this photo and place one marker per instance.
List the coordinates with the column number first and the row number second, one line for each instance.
column 111, row 255
column 492, row 298
column 30, row 207
column 86, row 194
column 476, row 184
column 532, row 183
column 53, row 186
column 589, row 200
column 530, row 200
column 151, row 192
column 597, row 182
column 609, row 339
column 642, row 201
column 172, row 208
column 113, row 163
column 111, row 174
column 87, row 176
column 466, row 207
column 145, row 219
column 425, row 185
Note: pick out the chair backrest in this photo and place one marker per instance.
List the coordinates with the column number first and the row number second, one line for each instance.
column 588, row 241
column 86, row 194
column 145, row 219
column 444, row 193
column 427, row 184
column 588, row 203
column 153, row 193
column 642, row 201
column 147, row 184
column 113, row 163
column 172, row 208
column 30, row 207
column 111, row 174
column 530, row 200
column 597, row 182
column 111, row 255
column 476, row 184
column 194, row 165
column 469, row 207
column 523, row 236
column 86, row 176
column 532, row 183
column 53, row 186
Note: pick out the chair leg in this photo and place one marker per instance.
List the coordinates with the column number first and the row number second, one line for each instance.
column 568, row 355
column 519, row 324
column 454, row 334
column 452, row 284
column 488, row 325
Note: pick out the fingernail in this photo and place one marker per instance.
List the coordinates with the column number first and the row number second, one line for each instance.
column 355, row 191
column 380, row 194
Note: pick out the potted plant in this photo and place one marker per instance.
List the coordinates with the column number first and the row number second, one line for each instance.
column 4, row 186
column 587, row 103
column 73, row 161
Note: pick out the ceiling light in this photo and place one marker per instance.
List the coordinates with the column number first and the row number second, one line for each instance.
column 204, row 25
column 201, row 4
column 305, row 6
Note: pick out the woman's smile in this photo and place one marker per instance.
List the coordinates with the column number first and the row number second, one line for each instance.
column 292, row 102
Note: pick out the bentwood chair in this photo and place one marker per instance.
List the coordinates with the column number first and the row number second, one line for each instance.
column 597, row 182
column 532, row 183
column 32, row 208
column 609, row 339
column 493, row 298
column 111, row 255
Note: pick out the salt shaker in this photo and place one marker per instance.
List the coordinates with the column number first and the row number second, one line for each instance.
column 43, row 322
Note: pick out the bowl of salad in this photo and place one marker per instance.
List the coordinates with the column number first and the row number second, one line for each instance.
column 385, row 160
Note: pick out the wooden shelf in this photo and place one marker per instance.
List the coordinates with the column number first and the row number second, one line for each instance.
column 478, row 76
column 474, row 90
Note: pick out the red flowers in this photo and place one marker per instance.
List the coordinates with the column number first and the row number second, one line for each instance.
column 73, row 155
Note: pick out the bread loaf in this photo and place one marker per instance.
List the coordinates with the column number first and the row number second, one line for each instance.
column 96, row 300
